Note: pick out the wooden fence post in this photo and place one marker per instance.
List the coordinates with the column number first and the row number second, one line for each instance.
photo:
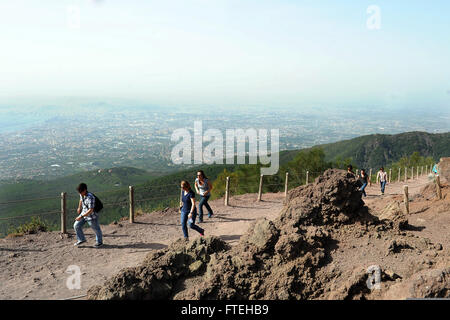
column 417, row 173
column 286, row 185
column 260, row 187
column 399, row 173
column 307, row 176
column 370, row 177
column 438, row 188
column 421, row 170
column 63, row 212
column 131, row 195
column 227, row 192
column 426, row 169
column 406, row 199
column 406, row 174
column 412, row 173
column 356, row 172
column 390, row 175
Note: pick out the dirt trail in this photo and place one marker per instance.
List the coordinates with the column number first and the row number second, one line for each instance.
column 34, row 266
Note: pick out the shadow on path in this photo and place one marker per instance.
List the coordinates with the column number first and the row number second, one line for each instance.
column 139, row 245
column 20, row 250
column 155, row 223
column 414, row 228
column 232, row 219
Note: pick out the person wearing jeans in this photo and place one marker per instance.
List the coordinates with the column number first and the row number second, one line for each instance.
column 203, row 187
column 93, row 223
column 364, row 180
column 204, row 202
column 188, row 210
column 86, row 213
column 382, row 177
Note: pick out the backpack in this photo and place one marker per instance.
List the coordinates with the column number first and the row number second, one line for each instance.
column 98, row 204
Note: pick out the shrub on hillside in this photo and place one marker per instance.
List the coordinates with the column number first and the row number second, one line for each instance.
column 34, row 226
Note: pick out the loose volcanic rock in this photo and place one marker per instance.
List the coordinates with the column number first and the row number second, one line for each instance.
column 288, row 258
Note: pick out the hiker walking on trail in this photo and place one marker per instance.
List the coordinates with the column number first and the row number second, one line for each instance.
column 203, row 187
column 382, row 177
column 87, row 212
column 188, row 210
column 364, row 179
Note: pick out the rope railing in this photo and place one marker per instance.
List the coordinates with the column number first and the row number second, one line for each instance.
column 155, row 198
column 101, row 192
column 31, row 215
column 27, row 200
column 420, row 185
column 278, row 184
column 116, row 204
column 159, row 186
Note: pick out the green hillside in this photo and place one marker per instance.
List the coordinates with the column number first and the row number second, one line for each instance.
column 377, row 150
column 98, row 180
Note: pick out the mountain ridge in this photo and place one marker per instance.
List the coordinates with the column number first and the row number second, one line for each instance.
column 383, row 149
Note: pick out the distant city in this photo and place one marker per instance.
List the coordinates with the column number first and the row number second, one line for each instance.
column 57, row 145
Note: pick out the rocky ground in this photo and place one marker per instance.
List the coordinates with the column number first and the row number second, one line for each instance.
column 325, row 244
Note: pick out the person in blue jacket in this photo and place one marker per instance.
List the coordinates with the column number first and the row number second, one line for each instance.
column 435, row 169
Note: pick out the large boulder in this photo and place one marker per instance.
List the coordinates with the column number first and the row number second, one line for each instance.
column 333, row 199
column 394, row 214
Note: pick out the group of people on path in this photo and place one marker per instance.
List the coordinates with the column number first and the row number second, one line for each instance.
column 382, row 176
column 89, row 207
column 364, row 179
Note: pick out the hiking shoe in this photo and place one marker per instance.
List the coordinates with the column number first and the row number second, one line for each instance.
column 97, row 244
column 200, row 220
column 78, row 243
column 210, row 215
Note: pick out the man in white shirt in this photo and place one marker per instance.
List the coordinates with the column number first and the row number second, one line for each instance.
column 382, row 177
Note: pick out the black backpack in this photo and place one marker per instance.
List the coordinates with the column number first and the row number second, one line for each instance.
column 98, row 204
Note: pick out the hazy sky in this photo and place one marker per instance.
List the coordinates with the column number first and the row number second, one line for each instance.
column 243, row 52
